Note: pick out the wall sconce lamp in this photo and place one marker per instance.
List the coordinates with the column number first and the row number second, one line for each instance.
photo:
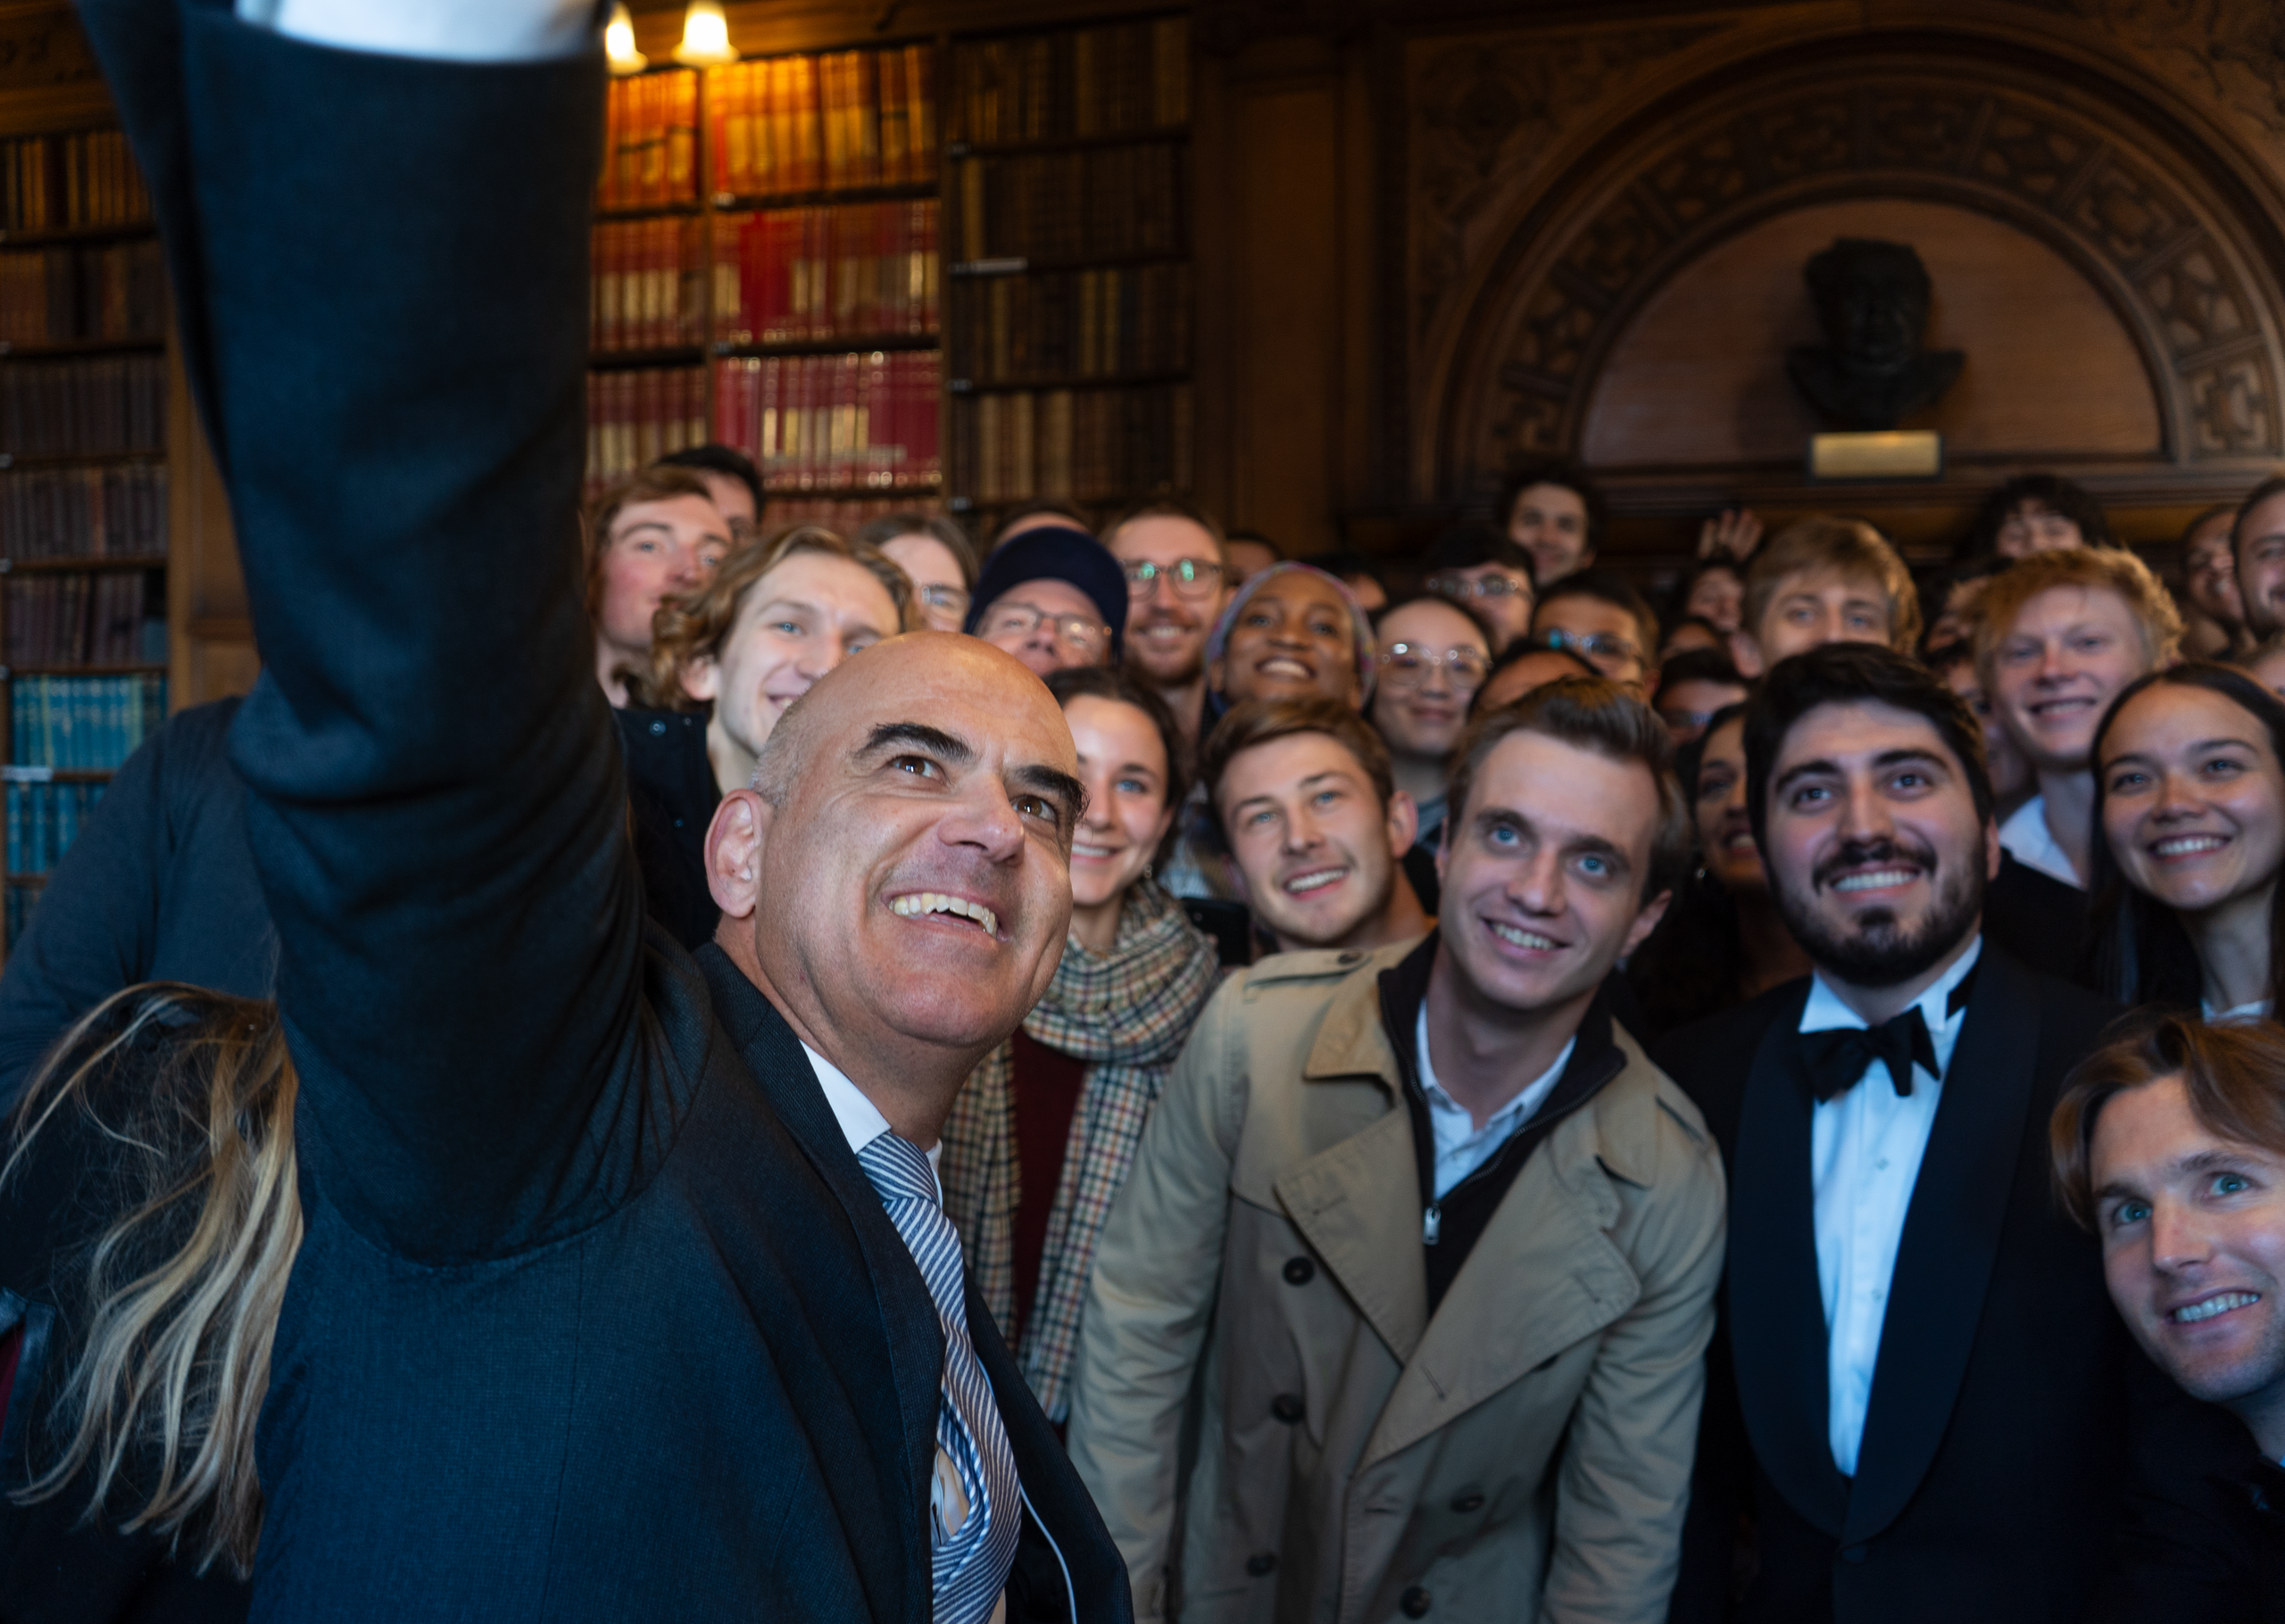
column 619, row 42
column 705, row 36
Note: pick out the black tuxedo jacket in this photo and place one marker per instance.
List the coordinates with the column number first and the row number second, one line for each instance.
column 595, row 1316
column 1989, row 1478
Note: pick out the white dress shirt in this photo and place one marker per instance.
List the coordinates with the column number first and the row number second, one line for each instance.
column 1865, row 1152
column 491, row 30
column 1462, row 1146
column 2031, row 842
column 861, row 1122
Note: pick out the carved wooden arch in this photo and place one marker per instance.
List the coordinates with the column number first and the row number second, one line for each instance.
column 2123, row 204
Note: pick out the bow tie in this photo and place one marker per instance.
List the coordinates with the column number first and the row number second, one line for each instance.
column 1839, row 1059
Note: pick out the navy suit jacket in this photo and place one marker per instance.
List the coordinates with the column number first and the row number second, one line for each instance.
column 595, row 1315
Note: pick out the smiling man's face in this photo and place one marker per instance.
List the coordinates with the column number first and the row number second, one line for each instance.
column 2057, row 668
column 909, row 891
column 2193, row 1233
column 1317, row 849
column 1876, row 855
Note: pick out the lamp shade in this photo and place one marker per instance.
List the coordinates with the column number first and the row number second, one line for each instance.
column 705, row 36
column 619, row 42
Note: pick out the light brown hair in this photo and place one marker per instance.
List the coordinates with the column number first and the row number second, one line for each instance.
column 2234, row 1075
column 1169, row 507
column 2111, row 569
column 1260, row 721
column 1590, row 713
column 174, row 1303
column 1827, row 543
column 657, row 482
column 683, row 633
column 889, row 527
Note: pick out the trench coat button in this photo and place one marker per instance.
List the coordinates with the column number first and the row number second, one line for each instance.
column 658, row 730
column 1261, row 1562
column 1415, row 1602
column 1300, row 1272
column 1855, row 1553
column 1471, row 1501
column 1287, row 1408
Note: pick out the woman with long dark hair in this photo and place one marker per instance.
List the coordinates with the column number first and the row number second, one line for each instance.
column 148, row 1221
column 1722, row 942
column 2190, row 809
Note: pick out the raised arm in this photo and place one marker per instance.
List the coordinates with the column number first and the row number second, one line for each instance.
column 382, row 272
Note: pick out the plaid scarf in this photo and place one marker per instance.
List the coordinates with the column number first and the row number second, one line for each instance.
column 1127, row 1013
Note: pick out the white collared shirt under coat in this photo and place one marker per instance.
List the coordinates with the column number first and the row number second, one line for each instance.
column 1865, row 1152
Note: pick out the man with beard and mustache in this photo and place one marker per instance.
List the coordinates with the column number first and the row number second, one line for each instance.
column 1176, row 583
column 1913, row 1336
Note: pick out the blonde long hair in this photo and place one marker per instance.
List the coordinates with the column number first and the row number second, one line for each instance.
column 173, row 1303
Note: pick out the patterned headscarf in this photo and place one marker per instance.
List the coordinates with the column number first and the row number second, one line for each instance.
column 1360, row 624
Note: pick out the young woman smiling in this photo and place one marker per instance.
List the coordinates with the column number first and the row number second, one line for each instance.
column 1722, row 942
column 2190, row 804
column 1043, row 1134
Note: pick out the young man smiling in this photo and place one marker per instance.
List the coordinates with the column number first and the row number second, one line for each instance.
column 1314, row 823
column 1437, row 1243
column 1908, row 1322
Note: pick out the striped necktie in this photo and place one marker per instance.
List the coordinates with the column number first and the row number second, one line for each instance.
column 973, row 1560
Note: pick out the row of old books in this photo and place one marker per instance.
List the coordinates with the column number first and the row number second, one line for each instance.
column 650, row 142
column 847, row 270
column 85, row 178
column 645, row 291
column 1101, row 202
column 1055, row 324
column 84, row 512
column 859, row 117
column 636, row 417
column 118, row 617
column 83, row 723
column 43, row 818
column 841, row 514
column 61, row 295
column 1082, row 444
column 863, row 421
column 86, row 408
column 1117, row 80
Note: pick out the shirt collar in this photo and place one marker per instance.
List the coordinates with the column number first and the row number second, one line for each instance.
column 1824, row 1011
column 1533, row 1095
column 861, row 1122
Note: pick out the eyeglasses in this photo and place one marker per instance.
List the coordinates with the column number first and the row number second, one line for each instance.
column 1083, row 636
column 950, row 600
column 1609, row 645
column 1489, row 586
column 1407, row 665
column 1189, row 577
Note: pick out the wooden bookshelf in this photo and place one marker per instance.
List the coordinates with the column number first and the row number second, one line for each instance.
column 1068, row 301
column 85, row 511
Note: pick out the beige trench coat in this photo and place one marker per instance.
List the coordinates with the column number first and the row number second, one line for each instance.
column 1524, row 1455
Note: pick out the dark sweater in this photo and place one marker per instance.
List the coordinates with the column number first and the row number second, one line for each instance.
column 160, row 886
column 595, row 1315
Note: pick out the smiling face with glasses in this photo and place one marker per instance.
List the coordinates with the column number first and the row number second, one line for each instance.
column 936, row 578
column 1500, row 592
column 1047, row 624
column 1175, row 589
column 1599, row 633
column 1433, row 658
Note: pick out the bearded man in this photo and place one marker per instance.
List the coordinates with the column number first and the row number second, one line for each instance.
column 1915, row 1391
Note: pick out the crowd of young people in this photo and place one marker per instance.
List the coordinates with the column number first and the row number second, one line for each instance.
column 1117, row 1075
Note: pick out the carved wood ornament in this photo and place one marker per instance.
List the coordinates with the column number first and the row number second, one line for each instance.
column 1507, row 340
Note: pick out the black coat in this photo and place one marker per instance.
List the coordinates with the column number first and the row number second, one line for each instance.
column 1989, row 1478
column 160, row 886
column 595, row 1316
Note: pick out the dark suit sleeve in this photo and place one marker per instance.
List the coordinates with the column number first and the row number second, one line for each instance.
column 389, row 261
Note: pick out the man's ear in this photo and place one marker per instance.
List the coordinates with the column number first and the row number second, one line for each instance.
column 1646, row 922
column 702, row 679
column 1991, row 847
column 734, row 842
column 1404, row 823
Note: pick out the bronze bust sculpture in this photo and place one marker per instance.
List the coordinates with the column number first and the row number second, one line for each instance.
column 1872, row 300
